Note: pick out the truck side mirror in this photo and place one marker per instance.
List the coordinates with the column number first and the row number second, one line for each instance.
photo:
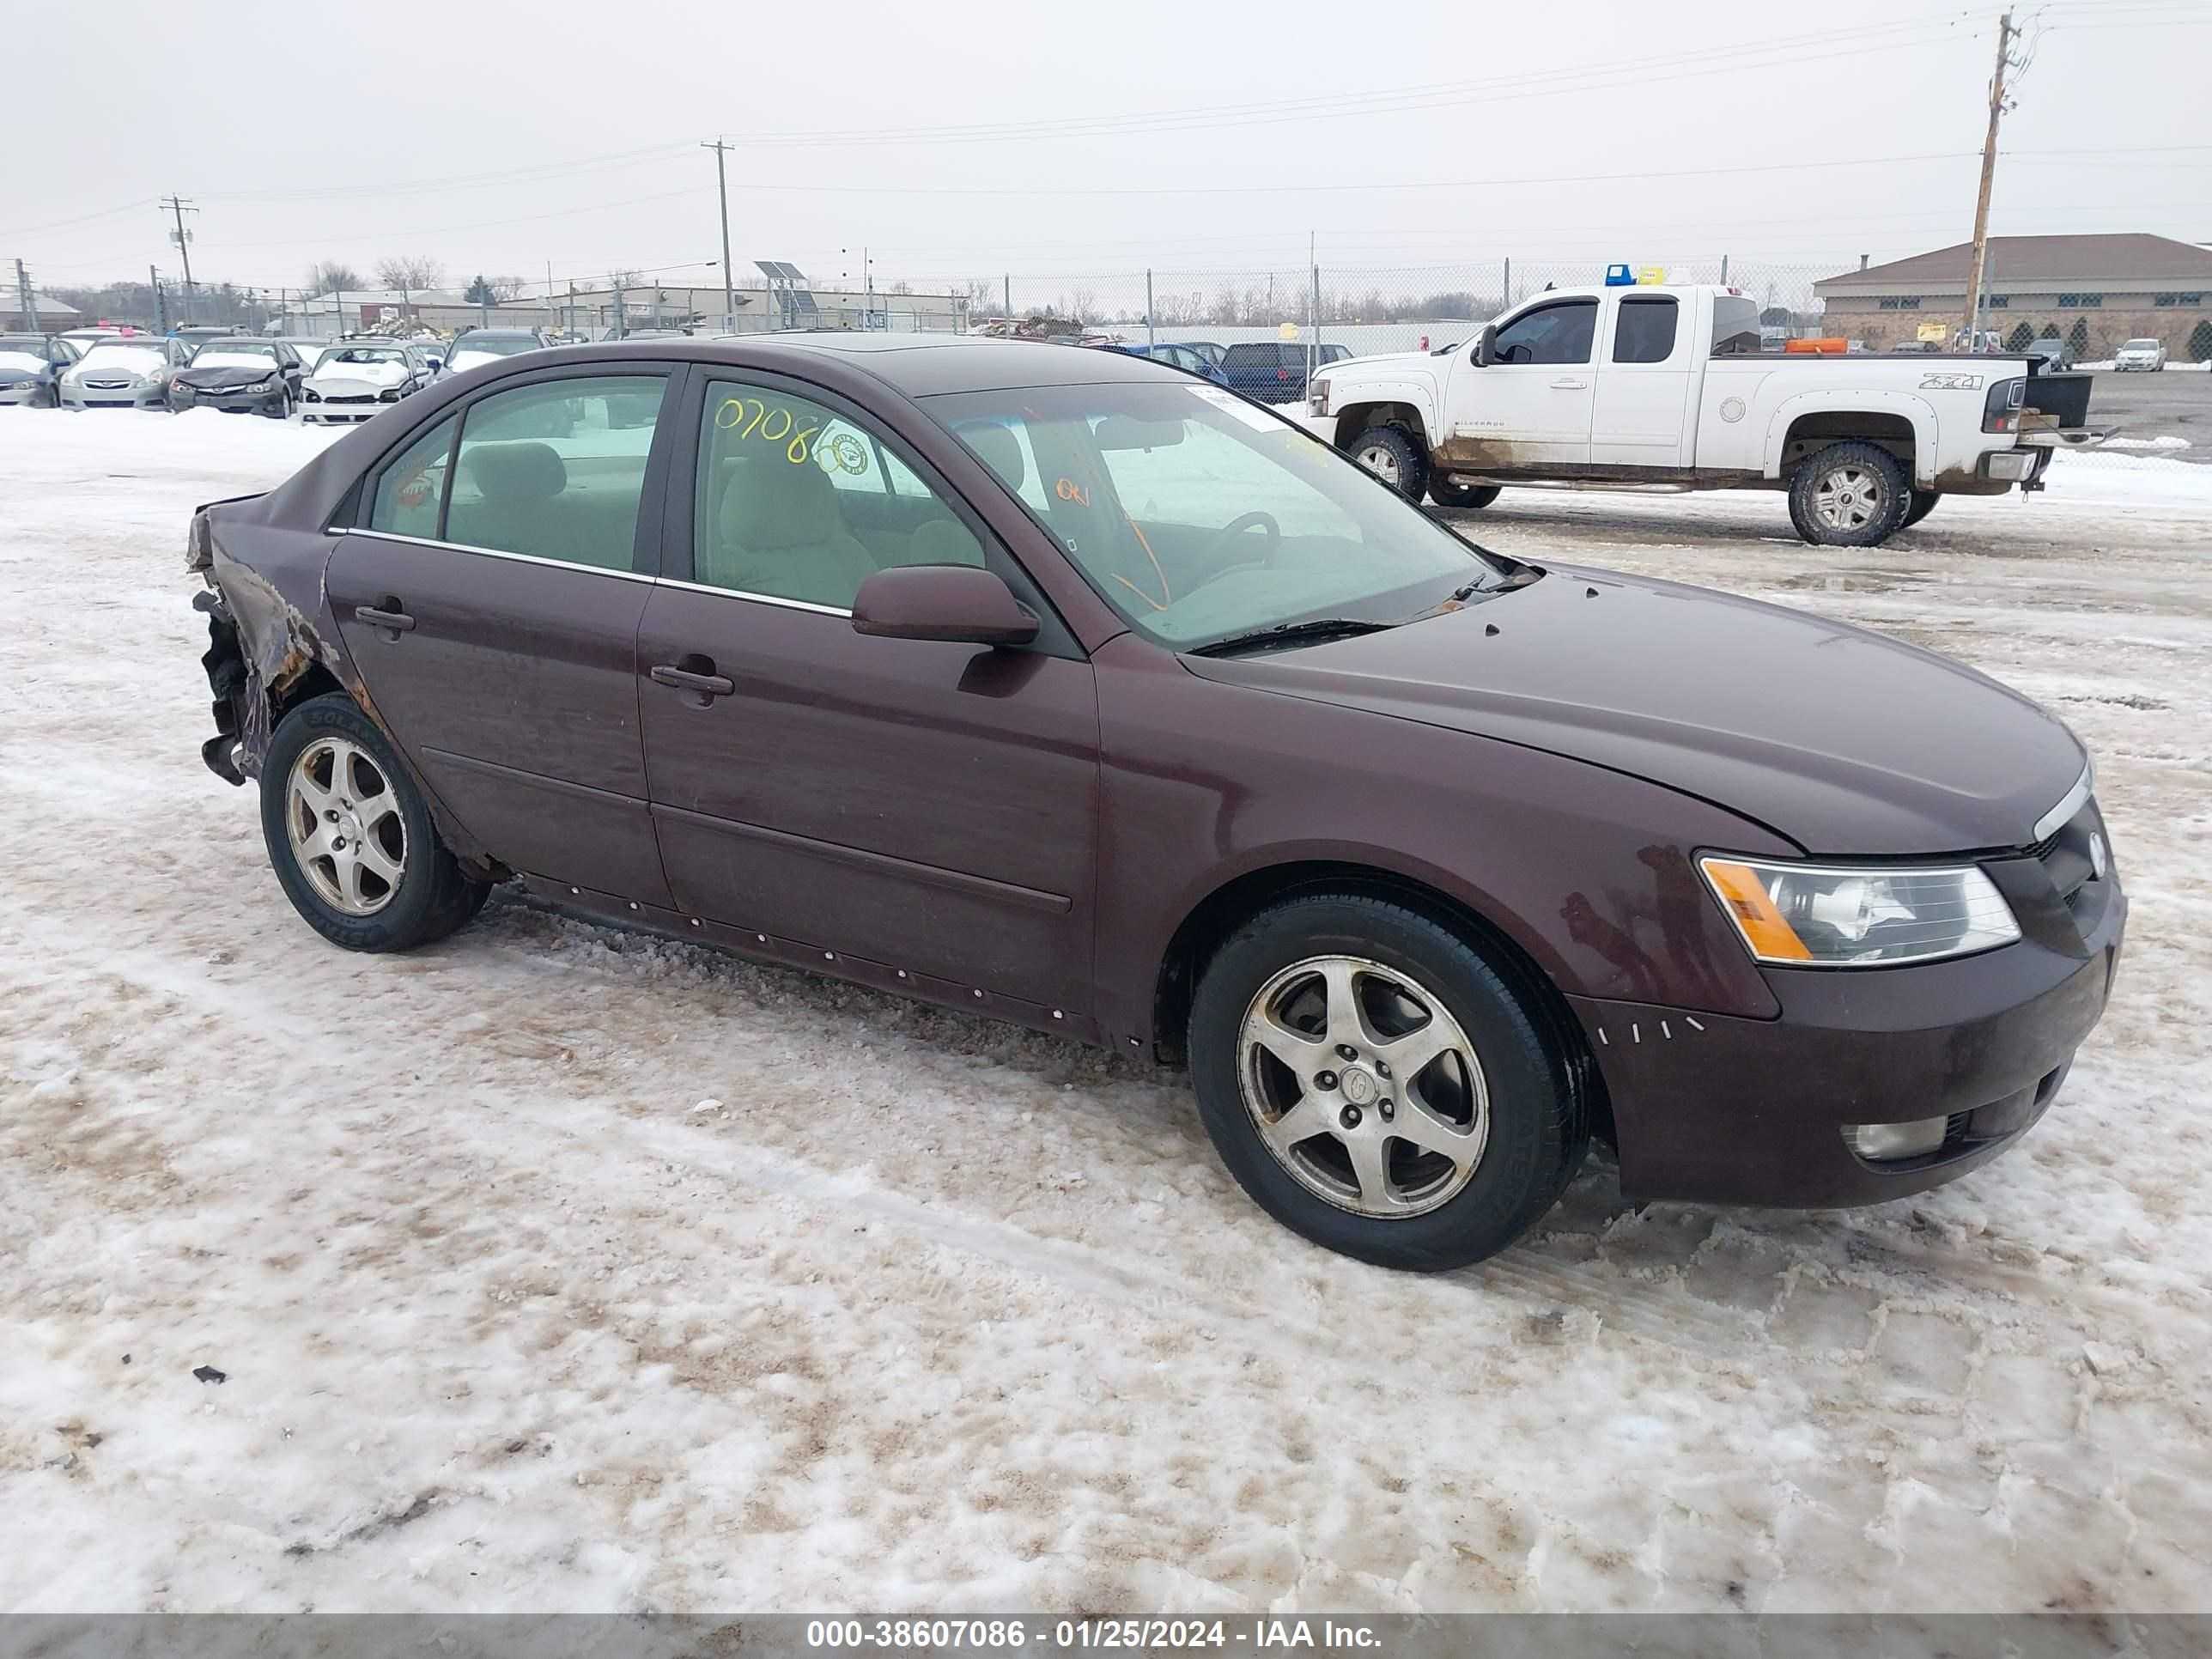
column 1486, row 349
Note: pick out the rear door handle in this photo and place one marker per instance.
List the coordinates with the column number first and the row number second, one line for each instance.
column 397, row 621
column 1568, row 384
column 683, row 679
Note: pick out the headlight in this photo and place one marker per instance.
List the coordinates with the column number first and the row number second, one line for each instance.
column 391, row 394
column 311, row 396
column 1838, row 916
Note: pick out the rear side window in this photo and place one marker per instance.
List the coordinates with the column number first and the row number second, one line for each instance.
column 1645, row 332
column 1558, row 333
column 1736, row 326
column 1268, row 355
column 409, row 490
column 555, row 470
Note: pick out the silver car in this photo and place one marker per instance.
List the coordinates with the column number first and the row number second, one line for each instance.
column 30, row 365
column 126, row 373
column 2137, row 356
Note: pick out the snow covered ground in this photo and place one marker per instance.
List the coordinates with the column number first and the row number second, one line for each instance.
column 554, row 1268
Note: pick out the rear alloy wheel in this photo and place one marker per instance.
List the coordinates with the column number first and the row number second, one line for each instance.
column 349, row 835
column 1395, row 458
column 1849, row 494
column 1375, row 1085
column 1444, row 493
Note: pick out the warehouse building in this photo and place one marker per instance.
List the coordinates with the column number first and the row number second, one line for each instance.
column 2092, row 292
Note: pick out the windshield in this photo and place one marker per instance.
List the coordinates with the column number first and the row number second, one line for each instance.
column 1200, row 516
column 355, row 356
column 139, row 359
column 2140, row 345
column 225, row 355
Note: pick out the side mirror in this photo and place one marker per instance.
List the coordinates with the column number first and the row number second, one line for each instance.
column 960, row 603
column 1486, row 347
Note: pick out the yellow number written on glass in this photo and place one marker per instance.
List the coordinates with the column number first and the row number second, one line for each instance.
column 732, row 417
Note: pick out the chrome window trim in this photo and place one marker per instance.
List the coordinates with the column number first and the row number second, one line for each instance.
column 594, row 569
column 758, row 598
column 2075, row 799
column 491, row 552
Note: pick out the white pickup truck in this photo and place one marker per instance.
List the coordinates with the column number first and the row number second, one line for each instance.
column 1646, row 386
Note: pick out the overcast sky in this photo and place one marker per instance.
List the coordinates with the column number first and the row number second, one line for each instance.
column 1067, row 141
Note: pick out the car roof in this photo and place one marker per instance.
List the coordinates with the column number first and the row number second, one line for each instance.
column 917, row 365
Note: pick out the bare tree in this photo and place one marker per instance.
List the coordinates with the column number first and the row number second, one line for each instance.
column 333, row 275
column 409, row 272
column 984, row 295
column 504, row 288
column 901, row 286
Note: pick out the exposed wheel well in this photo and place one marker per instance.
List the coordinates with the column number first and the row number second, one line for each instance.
column 1355, row 420
column 1808, row 433
column 313, row 681
column 1225, row 910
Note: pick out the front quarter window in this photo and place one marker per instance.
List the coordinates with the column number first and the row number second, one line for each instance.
column 1200, row 517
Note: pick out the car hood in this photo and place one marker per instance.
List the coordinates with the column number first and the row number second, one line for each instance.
column 379, row 374
column 1847, row 742
column 208, row 379
column 17, row 376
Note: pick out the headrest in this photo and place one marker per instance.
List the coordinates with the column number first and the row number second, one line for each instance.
column 769, row 503
column 997, row 447
column 517, row 472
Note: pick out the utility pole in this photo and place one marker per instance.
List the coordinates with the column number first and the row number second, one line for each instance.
column 160, row 307
column 30, row 307
column 1989, row 175
column 177, row 206
column 729, row 276
column 621, row 325
column 1008, row 279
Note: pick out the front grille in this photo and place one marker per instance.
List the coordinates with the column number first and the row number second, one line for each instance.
column 369, row 399
column 108, row 385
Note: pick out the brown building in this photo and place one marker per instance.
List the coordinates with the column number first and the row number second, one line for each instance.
column 2092, row 291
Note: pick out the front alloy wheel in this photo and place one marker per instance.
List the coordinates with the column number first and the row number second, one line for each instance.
column 1363, row 1086
column 1374, row 1081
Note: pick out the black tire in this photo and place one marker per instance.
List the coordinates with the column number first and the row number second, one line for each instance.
column 1923, row 503
column 1538, row 1128
column 1444, row 493
column 1395, row 447
column 432, row 896
column 1875, row 469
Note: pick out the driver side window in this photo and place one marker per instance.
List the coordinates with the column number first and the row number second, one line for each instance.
column 1559, row 333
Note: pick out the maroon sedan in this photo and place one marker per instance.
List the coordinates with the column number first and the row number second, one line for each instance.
column 1065, row 688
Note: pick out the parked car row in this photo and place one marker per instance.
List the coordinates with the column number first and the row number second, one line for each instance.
column 1270, row 371
column 324, row 381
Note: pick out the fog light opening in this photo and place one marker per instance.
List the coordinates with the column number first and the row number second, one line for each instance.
column 1885, row 1143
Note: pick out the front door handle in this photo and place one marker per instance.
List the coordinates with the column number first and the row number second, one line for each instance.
column 1568, row 384
column 685, row 679
column 394, row 621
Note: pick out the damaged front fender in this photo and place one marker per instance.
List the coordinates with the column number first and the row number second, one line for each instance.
column 260, row 645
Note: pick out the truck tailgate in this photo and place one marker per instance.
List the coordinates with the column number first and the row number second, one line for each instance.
column 2061, row 399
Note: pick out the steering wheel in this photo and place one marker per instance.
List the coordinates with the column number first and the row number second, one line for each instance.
column 1234, row 528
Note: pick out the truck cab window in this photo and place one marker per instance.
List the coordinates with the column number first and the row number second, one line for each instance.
column 1559, row 333
column 1645, row 332
column 1736, row 326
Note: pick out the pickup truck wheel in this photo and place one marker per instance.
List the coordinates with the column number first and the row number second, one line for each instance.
column 1849, row 494
column 1444, row 493
column 1923, row 503
column 1373, row 1083
column 1395, row 458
